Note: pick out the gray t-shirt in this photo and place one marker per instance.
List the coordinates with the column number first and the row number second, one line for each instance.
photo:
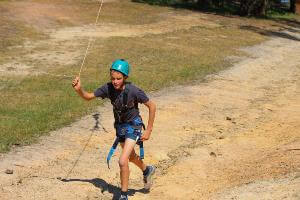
column 135, row 95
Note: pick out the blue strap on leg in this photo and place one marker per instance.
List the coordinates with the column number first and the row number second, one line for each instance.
column 122, row 130
column 141, row 144
column 139, row 141
column 112, row 150
column 141, row 150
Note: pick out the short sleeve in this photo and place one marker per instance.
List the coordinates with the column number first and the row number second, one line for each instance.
column 102, row 91
column 141, row 96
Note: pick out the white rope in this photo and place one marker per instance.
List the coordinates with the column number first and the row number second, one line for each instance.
column 84, row 58
column 90, row 39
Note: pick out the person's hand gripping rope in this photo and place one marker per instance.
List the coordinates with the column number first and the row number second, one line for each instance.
column 76, row 83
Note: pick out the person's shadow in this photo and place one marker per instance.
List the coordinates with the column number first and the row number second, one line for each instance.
column 104, row 186
column 96, row 127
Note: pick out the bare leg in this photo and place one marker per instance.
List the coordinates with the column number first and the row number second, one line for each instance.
column 128, row 147
column 135, row 159
column 128, row 153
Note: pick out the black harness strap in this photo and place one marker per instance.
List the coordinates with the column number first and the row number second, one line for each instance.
column 125, row 96
column 119, row 112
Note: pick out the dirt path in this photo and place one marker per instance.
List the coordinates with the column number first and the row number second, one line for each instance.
column 65, row 46
column 236, row 136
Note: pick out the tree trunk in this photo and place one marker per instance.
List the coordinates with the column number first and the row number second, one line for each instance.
column 204, row 3
column 262, row 11
column 253, row 7
column 244, row 8
column 293, row 6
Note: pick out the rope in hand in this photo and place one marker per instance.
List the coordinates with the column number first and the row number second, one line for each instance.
column 83, row 61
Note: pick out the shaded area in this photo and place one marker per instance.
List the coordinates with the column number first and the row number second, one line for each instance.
column 277, row 12
column 274, row 11
column 218, row 7
column 241, row 7
column 290, row 22
column 272, row 33
column 96, row 127
column 104, row 186
column 97, row 122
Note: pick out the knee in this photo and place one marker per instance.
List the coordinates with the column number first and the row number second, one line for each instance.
column 123, row 162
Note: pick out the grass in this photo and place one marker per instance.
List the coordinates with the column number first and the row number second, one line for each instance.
column 162, row 61
column 39, row 106
column 15, row 33
column 274, row 14
column 32, row 106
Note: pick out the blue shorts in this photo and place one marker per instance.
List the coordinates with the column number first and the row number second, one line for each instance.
column 132, row 130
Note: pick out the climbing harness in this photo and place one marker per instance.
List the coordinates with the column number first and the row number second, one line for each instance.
column 122, row 127
column 129, row 128
column 120, row 106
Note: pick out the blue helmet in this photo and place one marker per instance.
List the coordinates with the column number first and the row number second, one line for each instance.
column 122, row 66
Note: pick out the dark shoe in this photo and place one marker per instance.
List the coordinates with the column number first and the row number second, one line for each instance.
column 123, row 197
column 148, row 177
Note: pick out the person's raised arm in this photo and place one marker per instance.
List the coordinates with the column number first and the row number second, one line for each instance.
column 77, row 87
column 152, row 108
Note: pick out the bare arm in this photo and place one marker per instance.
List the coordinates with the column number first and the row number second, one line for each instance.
column 152, row 109
column 77, row 87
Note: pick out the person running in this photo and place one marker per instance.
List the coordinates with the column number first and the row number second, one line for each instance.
column 125, row 97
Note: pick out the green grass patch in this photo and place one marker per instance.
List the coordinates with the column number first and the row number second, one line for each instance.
column 43, row 103
column 273, row 14
column 34, row 105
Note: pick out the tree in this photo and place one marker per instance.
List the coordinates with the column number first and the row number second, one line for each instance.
column 293, row 6
column 204, row 3
column 211, row 3
column 263, row 8
column 253, row 7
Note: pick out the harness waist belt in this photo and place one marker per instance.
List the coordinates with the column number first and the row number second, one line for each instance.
column 117, row 140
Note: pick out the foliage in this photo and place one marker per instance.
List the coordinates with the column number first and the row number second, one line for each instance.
column 158, row 2
column 241, row 7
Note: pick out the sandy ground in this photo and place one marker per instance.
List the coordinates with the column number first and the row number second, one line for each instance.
column 234, row 136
